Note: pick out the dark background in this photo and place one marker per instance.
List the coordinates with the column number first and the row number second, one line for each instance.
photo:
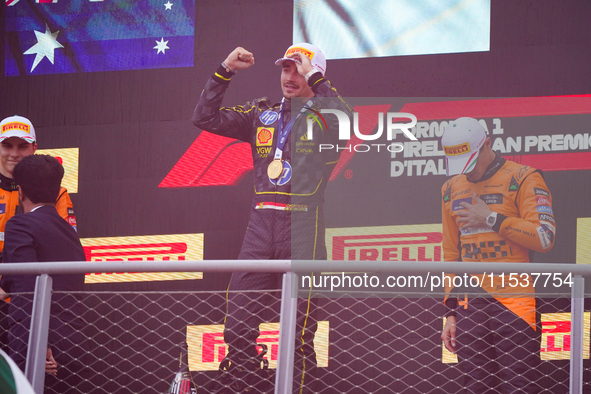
column 133, row 126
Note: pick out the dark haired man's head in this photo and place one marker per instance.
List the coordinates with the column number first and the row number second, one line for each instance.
column 40, row 178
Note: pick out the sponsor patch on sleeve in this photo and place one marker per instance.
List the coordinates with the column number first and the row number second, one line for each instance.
column 72, row 221
column 546, row 217
column 541, row 192
column 549, row 230
column 544, row 238
column 545, row 209
column 542, row 200
column 447, row 194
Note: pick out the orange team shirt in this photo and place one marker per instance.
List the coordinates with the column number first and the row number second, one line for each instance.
column 9, row 206
column 520, row 194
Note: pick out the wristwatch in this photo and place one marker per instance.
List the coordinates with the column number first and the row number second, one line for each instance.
column 491, row 219
column 228, row 69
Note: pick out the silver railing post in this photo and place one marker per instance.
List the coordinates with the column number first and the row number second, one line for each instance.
column 576, row 332
column 287, row 324
column 39, row 331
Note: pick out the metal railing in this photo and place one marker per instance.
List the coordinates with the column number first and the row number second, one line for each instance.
column 35, row 367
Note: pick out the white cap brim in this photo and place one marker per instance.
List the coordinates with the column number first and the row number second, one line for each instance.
column 460, row 165
column 23, row 136
column 279, row 62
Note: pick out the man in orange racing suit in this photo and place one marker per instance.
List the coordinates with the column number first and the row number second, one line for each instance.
column 495, row 210
column 18, row 140
column 287, row 216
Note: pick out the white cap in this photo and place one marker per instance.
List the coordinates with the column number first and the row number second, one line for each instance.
column 17, row 126
column 316, row 56
column 461, row 141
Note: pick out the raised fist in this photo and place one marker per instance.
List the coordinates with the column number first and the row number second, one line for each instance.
column 239, row 59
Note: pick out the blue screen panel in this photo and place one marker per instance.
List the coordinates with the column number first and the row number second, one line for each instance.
column 67, row 36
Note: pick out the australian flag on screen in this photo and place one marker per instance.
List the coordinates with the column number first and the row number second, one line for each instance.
column 68, row 36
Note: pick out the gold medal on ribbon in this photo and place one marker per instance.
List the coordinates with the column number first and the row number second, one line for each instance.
column 275, row 169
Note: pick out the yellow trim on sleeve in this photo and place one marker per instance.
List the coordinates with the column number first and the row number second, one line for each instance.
column 222, row 77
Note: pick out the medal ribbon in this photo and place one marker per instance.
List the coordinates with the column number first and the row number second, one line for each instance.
column 284, row 132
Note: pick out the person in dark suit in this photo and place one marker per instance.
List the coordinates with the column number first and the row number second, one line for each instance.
column 42, row 235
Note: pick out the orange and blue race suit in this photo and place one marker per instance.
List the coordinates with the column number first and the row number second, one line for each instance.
column 498, row 337
column 525, row 223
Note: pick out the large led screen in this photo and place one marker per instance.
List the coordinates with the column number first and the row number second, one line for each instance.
column 347, row 29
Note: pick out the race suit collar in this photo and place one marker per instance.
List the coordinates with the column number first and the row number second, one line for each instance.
column 7, row 184
column 295, row 103
column 286, row 104
column 492, row 169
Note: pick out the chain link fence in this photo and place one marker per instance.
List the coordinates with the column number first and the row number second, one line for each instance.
column 131, row 342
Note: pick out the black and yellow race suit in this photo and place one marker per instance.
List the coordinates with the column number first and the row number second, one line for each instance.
column 287, row 217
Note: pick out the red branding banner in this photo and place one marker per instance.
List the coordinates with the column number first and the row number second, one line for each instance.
column 385, row 243
column 207, row 347
column 143, row 248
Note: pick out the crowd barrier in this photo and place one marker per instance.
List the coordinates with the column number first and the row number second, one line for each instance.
column 376, row 337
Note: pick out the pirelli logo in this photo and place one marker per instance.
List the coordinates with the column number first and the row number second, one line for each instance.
column 69, row 158
column 300, row 50
column 16, row 125
column 457, row 149
column 385, row 243
column 207, row 347
column 556, row 337
column 143, row 248
column 583, row 240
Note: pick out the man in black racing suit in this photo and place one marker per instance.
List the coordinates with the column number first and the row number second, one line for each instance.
column 287, row 220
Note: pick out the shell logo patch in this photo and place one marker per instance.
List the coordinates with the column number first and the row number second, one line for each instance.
column 265, row 136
